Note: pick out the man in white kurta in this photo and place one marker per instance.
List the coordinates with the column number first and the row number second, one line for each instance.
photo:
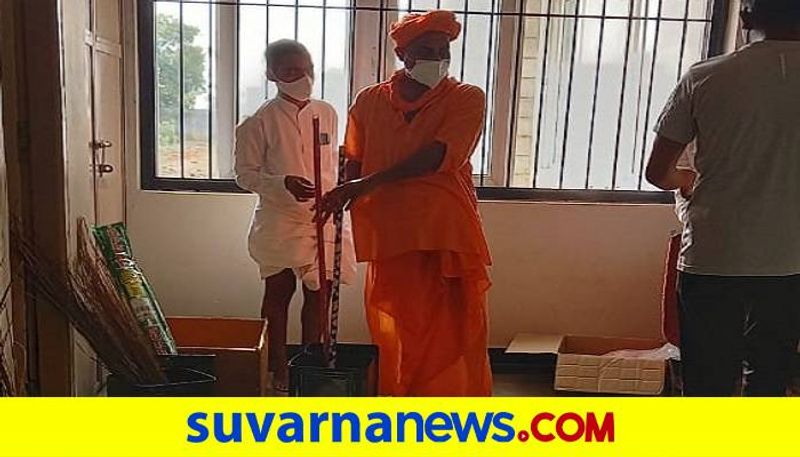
column 274, row 158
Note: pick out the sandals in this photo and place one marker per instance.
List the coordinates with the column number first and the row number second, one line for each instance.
column 280, row 387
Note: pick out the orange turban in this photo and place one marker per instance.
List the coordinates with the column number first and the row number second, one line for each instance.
column 415, row 24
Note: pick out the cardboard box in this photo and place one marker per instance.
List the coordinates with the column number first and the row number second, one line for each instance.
column 581, row 365
column 240, row 347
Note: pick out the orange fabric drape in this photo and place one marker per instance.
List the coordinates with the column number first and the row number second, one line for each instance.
column 427, row 313
column 428, row 257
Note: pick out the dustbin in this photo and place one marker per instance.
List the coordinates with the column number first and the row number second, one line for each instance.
column 354, row 375
column 187, row 375
column 354, row 372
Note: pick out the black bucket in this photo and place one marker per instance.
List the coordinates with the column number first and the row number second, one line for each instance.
column 355, row 373
column 203, row 363
column 187, row 376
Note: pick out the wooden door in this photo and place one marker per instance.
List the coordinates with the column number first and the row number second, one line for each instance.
column 104, row 43
column 92, row 35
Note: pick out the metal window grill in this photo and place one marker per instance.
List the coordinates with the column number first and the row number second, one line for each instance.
column 573, row 86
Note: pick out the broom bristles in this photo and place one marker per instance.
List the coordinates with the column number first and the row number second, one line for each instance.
column 7, row 384
column 87, row 294
column 7, row 387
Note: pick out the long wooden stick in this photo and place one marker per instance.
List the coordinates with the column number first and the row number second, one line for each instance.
column 323, row 277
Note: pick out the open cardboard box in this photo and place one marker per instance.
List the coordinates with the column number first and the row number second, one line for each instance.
column 239, row 346
column 581, row 365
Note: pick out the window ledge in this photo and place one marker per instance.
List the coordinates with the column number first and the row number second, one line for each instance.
column 227, row 186
column 575, row 196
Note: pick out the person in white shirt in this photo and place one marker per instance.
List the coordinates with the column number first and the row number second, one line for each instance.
column 274, row 158
column 739, row 286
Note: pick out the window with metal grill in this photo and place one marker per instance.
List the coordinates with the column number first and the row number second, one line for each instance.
column 573, row 86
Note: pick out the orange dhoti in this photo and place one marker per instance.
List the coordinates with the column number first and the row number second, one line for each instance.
column 427, row 313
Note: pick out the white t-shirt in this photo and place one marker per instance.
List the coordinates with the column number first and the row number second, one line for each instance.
column 274, row 142
column 743, row 112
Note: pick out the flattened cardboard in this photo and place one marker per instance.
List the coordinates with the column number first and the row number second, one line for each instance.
column 535, row 343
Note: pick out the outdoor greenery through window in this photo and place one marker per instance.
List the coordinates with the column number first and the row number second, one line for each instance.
column 193, row 94
column 573, row 87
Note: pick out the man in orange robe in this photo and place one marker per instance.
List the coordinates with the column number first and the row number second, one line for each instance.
column 415, row 217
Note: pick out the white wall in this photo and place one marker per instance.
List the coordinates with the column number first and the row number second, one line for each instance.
column 588, row 269
column 576, row 268
column 193, row 248
column 567, row 268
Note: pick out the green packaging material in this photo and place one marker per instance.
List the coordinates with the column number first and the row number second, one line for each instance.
column 116, row 247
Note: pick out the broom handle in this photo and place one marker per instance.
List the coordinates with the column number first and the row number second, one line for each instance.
column 320, row 226
column 338, row 220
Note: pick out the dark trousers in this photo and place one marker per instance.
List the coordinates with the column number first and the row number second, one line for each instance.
column 728, row 323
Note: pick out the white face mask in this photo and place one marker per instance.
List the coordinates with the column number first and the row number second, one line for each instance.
column 429, row 72
column 299, row 89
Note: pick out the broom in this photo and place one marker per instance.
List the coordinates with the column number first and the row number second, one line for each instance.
column 87, row 294
column 329, row 299
column 338, row 220
column 7, row 385
column 320, row 227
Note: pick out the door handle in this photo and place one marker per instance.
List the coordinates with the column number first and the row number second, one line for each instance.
column 102, row 144
column 102, row 168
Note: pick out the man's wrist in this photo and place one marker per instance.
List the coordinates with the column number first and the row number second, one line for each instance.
column 368, row 183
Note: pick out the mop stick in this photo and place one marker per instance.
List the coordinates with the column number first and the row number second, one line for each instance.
column 338, row 220
column 320, row 226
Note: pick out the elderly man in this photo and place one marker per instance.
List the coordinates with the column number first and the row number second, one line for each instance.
column 274, row 160
column 415, row 217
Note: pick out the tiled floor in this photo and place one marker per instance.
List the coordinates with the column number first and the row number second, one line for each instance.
column 538, row 385
column 523, row 385
column 513, row 385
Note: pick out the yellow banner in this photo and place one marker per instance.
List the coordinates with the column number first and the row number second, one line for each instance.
column 392, row 427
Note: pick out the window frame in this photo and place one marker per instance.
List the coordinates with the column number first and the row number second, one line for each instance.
column 502, row 127
column 149, row 179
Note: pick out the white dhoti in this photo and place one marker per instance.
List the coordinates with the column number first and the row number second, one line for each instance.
column 276, row 246
column 277, row 141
